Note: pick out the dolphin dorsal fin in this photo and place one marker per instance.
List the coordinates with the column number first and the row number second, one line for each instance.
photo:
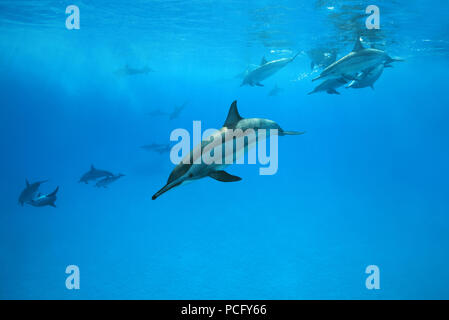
column 233, row 116
column 264, row 61
column 92, row 167
column 358, row 45
column 26, row 181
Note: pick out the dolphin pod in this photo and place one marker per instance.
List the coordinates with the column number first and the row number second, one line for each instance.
column 189, row 169
column 362, row 67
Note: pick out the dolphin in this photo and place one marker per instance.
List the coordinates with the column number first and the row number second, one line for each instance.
column 275, row 91
column 177, row 111
column 368, row 77
column 188, row 170
column 43, row 200
column 329, row 86
column 265, row 70
column 355, row 62
column 94, row 174
column 108, row 180
column 30, row 191
column 129, row 71
column 156, row 147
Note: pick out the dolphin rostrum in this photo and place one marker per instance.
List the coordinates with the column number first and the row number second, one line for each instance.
column 189, row 169
column 94, row 174
column 43, row 200
column 108, row 180
column 265, row 70
column 29, row 192
column 355, row 62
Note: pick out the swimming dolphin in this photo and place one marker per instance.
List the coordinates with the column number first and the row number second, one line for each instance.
column 330, row 85
column 177, row 111
column 43, row 200
column 156, row 147
column 187, row 170
column 275, row 91
column 265, row 70
column 108, row 180
column 368, row 77
column 129, row 71
column 94, row 174
column 30, row 191
column 355, row 62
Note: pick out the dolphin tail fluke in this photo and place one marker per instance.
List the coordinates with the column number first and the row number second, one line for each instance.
column 223, row 176
column 291, row 133
column 54, row 192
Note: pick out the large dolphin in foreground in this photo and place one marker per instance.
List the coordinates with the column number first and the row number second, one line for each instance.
column 187, row 170
column 29, row 192
column 355, row 62
column 94, row 174
column 265, row 70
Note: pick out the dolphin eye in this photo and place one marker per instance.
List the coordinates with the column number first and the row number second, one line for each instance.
column 190, row 175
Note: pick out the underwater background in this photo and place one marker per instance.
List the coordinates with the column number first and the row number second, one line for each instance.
column 366, row 185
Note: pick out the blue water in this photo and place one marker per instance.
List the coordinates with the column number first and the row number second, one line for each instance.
column 367, row 184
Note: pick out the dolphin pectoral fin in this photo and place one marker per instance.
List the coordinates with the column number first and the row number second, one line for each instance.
column 332, row 91
column 223, row 176
column 372, row 86
column 259, row 84
column 52, row 205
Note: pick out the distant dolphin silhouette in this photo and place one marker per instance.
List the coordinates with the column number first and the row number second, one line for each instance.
column 43, row 200
column 265, row 70
column 30, row 191
column 94, row 174
column 128, row 71
column 105, row 182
